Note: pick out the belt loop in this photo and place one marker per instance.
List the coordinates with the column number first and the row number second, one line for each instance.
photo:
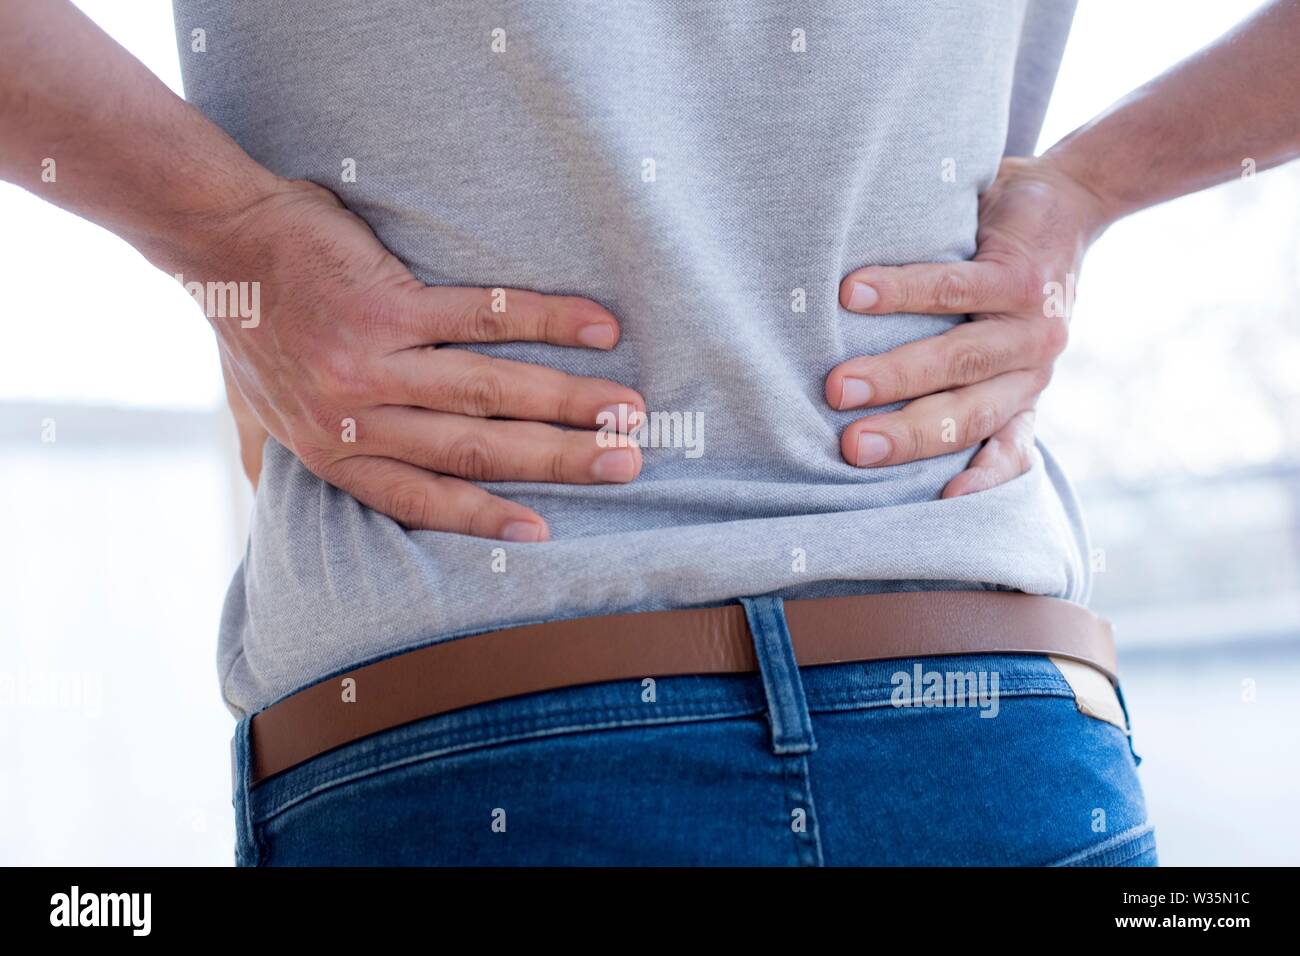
column 787, row 709
column 1128, row 721
column 247, row 850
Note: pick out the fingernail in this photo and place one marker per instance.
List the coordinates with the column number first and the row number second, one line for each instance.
column 872, row 447
column 522, row 531
column 616, row 465
column 854, row 393
column 597, row 336
column 621, row 418
column 862, row 296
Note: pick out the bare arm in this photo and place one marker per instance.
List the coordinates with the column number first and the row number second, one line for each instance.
column 341, row 363
column 128, row 153
column 1231, row 107
column 1236, row 101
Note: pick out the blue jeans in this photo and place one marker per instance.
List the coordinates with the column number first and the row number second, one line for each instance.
column 875, row 763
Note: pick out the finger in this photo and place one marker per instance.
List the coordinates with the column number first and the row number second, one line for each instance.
column 466, row 383
column 480, row 449
column 249, row 429
column 938, row 288
column 420, row 500
column 940, row 424
column 452, row 314
column 1006, row 455
column 969, row 353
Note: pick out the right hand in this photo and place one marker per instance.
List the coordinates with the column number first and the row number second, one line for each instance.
column 346, row 334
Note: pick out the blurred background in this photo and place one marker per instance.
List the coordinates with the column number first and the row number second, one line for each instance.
column 1176, row 409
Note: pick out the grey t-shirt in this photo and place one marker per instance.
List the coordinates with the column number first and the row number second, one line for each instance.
column 702, row 169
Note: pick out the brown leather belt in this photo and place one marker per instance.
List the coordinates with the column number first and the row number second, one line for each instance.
column 459, row 673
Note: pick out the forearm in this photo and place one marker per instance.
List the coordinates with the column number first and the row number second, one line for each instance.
column 127, row 153
column 1195, row 125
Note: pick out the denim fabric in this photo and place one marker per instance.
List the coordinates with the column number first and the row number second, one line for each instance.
column 791, row 766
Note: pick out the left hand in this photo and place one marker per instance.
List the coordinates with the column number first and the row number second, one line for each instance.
column 978, row 382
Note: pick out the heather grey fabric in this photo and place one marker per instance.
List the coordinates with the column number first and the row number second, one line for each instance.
column 775, row 170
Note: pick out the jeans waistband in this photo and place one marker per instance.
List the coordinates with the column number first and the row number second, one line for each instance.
column 786, row 694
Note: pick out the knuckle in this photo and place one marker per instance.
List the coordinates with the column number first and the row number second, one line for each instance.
column 319, row 461
column 892, row 380
column 1030, row 285
column 1022, row 455
column 325, row 418
column 361, row 386
column 550, row 319
column 342, row 374
column 481, row 324
column 481, row 521
column 971, row 363
column 565, row 403
column 411, row 503
column 1040, row 378
column 555, row 468
column 911, row 439
column 981, row 422
column 479, row 393
column 1056, row 336
column 470, row 456
column 445, row 370
column 377, row 319
column 952, row 290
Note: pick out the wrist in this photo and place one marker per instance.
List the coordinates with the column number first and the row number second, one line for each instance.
column 1068, row 163
column 197, row 229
